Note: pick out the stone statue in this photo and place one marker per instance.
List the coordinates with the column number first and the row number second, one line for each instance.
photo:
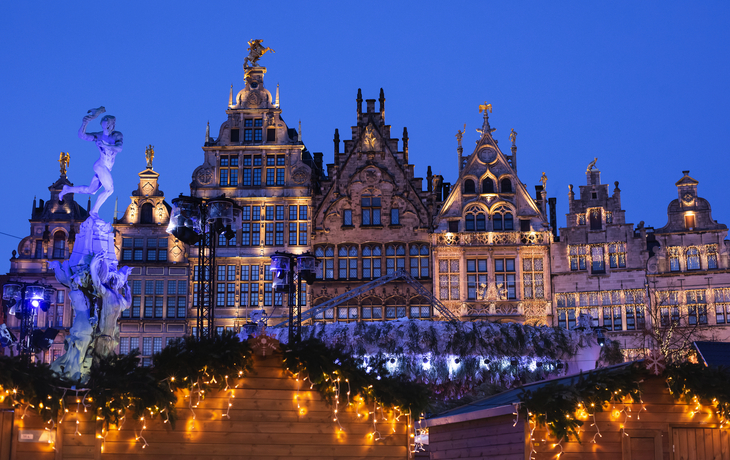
column 64, row 159
column 108, row 284
column 76, row 361
column 513, row 137
column 460, row 135
column 109, row 143
column 544, row 180
column 255, row 51
column 149, row 154
column 591, row 164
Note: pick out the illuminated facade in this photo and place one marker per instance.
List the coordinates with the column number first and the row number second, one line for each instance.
column 160, row 272
column 688, row 273
column 53, row 228
column 262, row 164
column 598, row 265
column 372, row 218
column 492, row 240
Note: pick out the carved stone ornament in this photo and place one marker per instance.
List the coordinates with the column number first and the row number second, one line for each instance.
column 176, row 252
column 369, row 141
column 299, row 176
column 371, row 175
column 205, row 176
column 253, row 100
column 487, row 154
column 147, row 189
column 688, row 197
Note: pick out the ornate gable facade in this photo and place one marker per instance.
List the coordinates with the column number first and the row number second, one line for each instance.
column 372, row 218
column 492, row 238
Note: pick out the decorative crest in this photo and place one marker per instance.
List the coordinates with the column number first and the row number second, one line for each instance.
column 255, row 51
column 149, row 153
column 64, row 159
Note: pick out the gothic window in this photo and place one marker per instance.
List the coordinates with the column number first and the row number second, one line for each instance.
column 566, row 310
column 669, row 308
column 449, row 279
column 711, row 256
column 371, row 262
column 505, row 278
column 611, row 301
column 327, row 255
column 476, row 279
column 722, row 306
column 395, row 258
column 532, row 278
column 596, row 218
column 394, row 216
column 347, row 257
column 395, row 307
column 696, row 307
column 419, row 260
column 146, row 214
column 506, row 185
column 420, row 308
column 693, row 259
column 598, row 264
column 370, row 210
column 617, row 255
column 469, row 187
column 372, row 308
column 347, row 217
column 487, row 185
column 475, row 219
column 502, row 220
column 589, row 303
column 59, row 245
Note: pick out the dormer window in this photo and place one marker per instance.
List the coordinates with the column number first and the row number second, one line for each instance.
column 689, row 221
column 469, row 187
column 506, row 186
column 487, row 185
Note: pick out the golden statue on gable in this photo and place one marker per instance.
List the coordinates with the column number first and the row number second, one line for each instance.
column 369, row 141
column 64, row 159
column 149, row 153
column 255, row 51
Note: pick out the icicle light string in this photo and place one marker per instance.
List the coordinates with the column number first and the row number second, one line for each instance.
column 138, row 437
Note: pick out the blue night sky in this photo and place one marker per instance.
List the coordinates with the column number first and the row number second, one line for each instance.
column 642, row 86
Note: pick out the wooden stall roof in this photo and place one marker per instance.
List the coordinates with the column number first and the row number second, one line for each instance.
column 713, row 353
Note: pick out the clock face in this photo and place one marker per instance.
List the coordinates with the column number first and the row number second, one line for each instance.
column 487, row 155
column 688, row 197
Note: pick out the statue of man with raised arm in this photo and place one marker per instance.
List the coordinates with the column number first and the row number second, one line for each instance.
column 109, row 143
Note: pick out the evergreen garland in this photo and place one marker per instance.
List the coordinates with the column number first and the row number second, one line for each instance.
column 323, row 366
column 554, row 404
column 696, row 382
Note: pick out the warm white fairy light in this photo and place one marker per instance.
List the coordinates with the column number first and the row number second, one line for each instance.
column 138, row 437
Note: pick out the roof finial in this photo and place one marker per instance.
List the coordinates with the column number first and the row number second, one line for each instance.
column 300, row 130
column 116, row 209
column 276, row 102
column 207, row 132
column 230, row 97
column 486, row 129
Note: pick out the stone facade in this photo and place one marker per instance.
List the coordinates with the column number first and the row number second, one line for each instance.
column 54, row 225
column 160, row 272
column 262, row 164
column 598, row 264
column 372, row 218
column 492, row 240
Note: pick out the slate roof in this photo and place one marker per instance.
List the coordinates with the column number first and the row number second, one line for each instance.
column 713, row 353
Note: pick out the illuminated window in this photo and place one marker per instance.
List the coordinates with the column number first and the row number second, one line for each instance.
column 669, row 307
column 611, row 302
column 347, row 257
column 578, row 256
column 596, row 218
column 722, row 306
column 228, row 170
column 327, row 255
column 372, row 309
column 689, row 221
column 696, row 307
column 476, row 279
column 598, row 265
column 566, row 305
column 581, row 219
column 449, row 279
column 420, row 307
column 395, row 258
column 674, row 252
column 711, row 256
column 532, row 278
column 617, row 255
column 693, row 259
column 505, row 278
column 371, row 262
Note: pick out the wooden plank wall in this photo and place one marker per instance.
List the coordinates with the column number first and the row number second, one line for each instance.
column 265, row 423
column 649, row 435
column 493, row 438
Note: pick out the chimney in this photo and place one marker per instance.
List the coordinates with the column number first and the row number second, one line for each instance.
column 382, row 106
column 405, row 145
column 554, row 218
column 359, row 103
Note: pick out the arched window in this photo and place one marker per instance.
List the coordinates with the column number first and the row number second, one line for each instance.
column 372, row 308
column 419, row 260
column 145, row 216
column 693, row 259
column 327, row 255
column 395, row 307
column 59, row 245
column 506, row 186
column 475, row 219
column 347, row 257
column 487, row 185
column 502, row 220
column 469, row 187
column 420, row 307
column 371, row 262
column 395, row 258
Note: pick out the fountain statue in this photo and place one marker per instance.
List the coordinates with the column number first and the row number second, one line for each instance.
column 98, row 291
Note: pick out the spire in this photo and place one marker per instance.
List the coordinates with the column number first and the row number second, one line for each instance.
column 429, row 179
column 337, row 141
column 460, row 149
column 300, row 130
column 513, row 138
column 276, row 102
column 230, row 97
column 207, row 133
column 116, row 209
column 382, row 106
column 359, row 103
column 405, row 144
